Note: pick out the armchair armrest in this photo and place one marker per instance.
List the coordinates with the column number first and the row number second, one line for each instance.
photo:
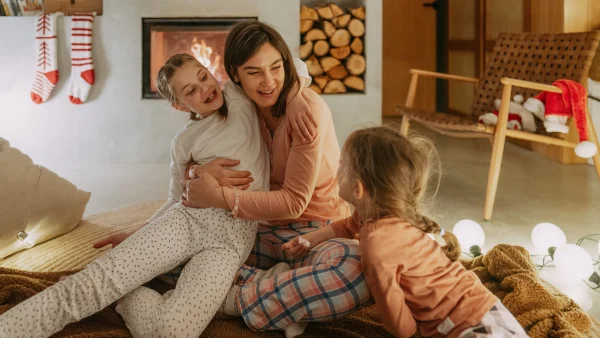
column 530, row 84
column 443, row 76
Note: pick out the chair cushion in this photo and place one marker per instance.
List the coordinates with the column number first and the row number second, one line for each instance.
column 443, row 120
column 51, row 205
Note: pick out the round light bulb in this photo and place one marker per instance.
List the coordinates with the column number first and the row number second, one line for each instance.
column 579, row 294
column 547, row 235
column 469, row 233
column 573, row 262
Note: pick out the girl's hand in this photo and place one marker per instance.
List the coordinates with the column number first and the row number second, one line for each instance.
column 294, row 248
column 301, row 117
column 218, row 169
column 114, row 239
column 203, row 192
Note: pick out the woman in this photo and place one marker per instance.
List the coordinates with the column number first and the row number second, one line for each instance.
column 327, row 283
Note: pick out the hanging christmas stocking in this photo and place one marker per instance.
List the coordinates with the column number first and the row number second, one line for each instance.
column 82, row 67
column 46, row 75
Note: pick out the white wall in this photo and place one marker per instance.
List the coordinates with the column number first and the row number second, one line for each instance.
column 116, row 125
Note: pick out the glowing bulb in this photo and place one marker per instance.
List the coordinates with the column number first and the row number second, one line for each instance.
column 27, row 239
column 469, row 233
column 579, row 294
column 573, row 262
column 547, row 235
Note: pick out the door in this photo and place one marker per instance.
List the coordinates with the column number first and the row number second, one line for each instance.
column 464, row 51
column 409, row 41
column 473, row 26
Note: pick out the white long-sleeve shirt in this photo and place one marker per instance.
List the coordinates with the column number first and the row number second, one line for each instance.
column 236, row 137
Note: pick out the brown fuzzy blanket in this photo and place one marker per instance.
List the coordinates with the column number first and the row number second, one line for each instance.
column 506, row 270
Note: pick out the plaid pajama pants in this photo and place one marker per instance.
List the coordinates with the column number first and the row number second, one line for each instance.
column 496, row 323
column 325, row 284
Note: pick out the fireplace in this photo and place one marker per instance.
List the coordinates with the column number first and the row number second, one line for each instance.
column 204, row 38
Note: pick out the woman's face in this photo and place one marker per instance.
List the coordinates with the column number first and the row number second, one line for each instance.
column 262, row 76
column 196, row 89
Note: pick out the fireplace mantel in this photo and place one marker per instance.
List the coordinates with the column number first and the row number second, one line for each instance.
column 203, row 38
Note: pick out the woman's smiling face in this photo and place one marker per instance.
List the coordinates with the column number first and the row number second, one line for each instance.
column 262, row 76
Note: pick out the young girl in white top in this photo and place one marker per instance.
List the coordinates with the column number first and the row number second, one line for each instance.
column 224, row 124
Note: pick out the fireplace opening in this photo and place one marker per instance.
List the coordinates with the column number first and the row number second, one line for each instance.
column 203, row 38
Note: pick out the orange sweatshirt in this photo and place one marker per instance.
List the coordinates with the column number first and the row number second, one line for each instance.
column 303, row 183
column 414, row 284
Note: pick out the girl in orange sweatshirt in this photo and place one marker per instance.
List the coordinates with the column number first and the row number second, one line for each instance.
column 416, row 283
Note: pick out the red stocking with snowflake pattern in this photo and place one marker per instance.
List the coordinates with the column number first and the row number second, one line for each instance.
column 82, row 70
column 46, row 75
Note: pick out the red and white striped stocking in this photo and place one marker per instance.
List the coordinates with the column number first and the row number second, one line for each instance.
column 82, row 67
column 46, row 74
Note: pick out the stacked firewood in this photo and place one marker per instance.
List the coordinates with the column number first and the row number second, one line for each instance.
column 332, row 46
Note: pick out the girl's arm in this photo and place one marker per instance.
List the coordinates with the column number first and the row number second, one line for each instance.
column 344, row 228
column 383, row 279
column 298, row 248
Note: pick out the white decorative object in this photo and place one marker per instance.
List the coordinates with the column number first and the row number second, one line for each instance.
column 547, row 235
column 304, row 242
column 469, row 233
column 579, row 294
column 27, row 239
column 573, row 262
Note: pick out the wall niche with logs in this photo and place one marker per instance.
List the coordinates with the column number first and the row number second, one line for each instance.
column 332, row 44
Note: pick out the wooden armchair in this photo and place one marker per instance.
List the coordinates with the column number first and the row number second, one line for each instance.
column 528, row 62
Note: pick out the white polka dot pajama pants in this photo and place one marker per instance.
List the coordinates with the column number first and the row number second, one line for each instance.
column 215, row 244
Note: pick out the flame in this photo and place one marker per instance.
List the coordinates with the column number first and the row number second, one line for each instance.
column 204, row 54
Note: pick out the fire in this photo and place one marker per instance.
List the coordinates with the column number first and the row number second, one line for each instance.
column 204, row 54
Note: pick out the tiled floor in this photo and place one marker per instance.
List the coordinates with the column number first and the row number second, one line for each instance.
column 532, row 190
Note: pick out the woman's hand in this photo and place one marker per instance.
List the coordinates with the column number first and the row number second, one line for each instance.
column 295, row 247
column 301, row 117
column 225, row 177
column 114, row 239
column 203, row 192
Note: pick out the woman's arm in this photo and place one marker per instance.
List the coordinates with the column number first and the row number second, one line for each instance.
column 302, row 172
column 287, row 203
column 298, row 105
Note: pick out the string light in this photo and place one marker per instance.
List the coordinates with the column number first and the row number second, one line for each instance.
column 470, row 235
column 546, row 237
column 574, row 263
column 27, row 239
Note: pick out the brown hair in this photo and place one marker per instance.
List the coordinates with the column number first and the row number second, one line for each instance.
column 244, row 41
column 395, row 171
column 165, row 74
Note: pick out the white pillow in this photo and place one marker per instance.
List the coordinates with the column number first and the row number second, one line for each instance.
column 35, row 200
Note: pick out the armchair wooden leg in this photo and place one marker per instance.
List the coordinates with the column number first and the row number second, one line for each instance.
column 593, row 137
column 497, row 152
column 404, row 126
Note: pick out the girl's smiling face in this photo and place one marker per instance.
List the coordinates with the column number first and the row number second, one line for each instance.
column 196, row 89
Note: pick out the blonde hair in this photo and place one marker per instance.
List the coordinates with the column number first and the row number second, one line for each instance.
column 395, row 172
column 166, row 73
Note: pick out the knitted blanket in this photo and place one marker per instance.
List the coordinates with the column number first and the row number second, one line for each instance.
column 505, row 270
